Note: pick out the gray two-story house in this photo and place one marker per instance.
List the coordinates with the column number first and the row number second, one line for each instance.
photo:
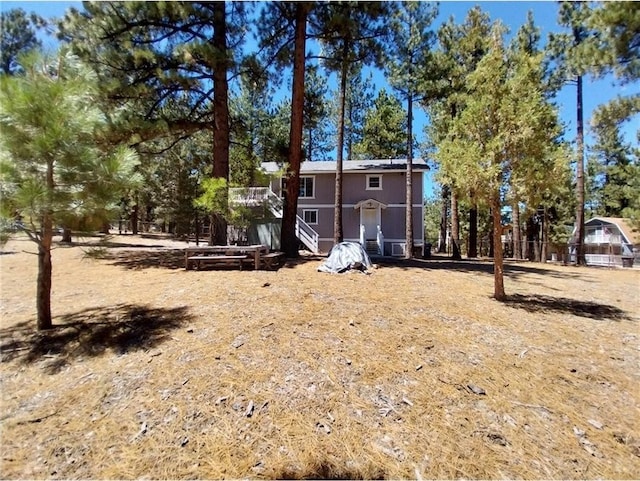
column 373, row 204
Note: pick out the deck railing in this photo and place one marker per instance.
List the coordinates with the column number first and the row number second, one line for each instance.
column 603, row 260
column 603, row 239
column 256, row 196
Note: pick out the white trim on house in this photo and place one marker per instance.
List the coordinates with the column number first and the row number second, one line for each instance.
column 313, row 187
column 398, row 249
column 370, row 204
column 330, row 239
column 317, row 206
column 607, row 241
column 368, row 182
column 404, row 205
column 346, row 206
column 305, row 211
column 404, row 240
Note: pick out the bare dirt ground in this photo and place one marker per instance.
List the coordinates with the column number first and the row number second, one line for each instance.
column 413, row 371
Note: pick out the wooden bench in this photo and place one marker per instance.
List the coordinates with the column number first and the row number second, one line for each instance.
column 272, row 259
column 224, row 259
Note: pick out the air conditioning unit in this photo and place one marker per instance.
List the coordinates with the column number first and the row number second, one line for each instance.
column 398, row 249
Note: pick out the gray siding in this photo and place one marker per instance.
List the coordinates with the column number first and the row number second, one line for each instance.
column 393, row 188
column 354, row 190
column 393, row 223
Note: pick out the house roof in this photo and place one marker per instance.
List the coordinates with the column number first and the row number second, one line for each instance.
column 624, row 225
column 329, row 166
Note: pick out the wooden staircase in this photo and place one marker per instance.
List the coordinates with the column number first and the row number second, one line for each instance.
column 264, row 196
column 371, row 246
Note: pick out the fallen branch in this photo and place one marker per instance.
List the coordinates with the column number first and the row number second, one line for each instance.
column 37, row 420
column 532, row 406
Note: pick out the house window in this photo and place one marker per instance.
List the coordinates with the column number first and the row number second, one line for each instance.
column 310, row 216
column 307, row 187
column 374, row 182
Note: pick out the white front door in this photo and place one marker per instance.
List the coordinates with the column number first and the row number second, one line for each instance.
column 369, row 219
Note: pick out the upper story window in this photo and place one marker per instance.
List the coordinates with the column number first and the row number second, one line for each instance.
column 307, row 188
column 374, row 182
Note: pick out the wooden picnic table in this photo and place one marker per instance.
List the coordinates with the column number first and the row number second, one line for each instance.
column 224, row 253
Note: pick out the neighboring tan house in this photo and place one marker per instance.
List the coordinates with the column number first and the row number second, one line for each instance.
column 373, row 204
column 608, row 240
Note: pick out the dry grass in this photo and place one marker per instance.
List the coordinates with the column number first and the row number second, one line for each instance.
column 156, row 372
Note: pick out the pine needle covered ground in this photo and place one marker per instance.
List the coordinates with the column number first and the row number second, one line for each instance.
column 410, row 372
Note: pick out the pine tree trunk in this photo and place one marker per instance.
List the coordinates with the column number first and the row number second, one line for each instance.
column 44, row 280
column 472, row 252
column 579, row 235
column 217, row 230
column 455, row 226
column 491, row 237
column 408, row 254
column 218, row 234
column 197, row 227
column 531, row 238
column 43, row 283
column 289, row 242
column 444, row 217
column 348, row 139
column 543, row 236
column 66, row 235
column 134, row 220
column 498, row 262
column 338, row 234
column 517, row 247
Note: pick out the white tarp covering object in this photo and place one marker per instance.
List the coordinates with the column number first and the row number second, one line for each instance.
column 346, row 256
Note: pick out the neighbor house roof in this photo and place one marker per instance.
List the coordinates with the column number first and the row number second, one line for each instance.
column 623, row 224
column 329, row 166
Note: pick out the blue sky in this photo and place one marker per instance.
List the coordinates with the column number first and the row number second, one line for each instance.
column 512, row 14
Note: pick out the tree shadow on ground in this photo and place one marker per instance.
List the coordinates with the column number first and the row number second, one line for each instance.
column 511, row 270
column 563, row 305
column 173, row 259
column 291, row 263
column 326, row 470
column 107, row 245
column 91, row 332
column 147, row 259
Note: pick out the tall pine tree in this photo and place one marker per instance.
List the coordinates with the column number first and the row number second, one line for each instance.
column 414, row 74
column 350, row 36
column 570, row 51
column 52, row 167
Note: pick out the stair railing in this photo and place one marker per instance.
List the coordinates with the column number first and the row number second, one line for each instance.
column 380, row 238
column 307, row 234
column 254, row 196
